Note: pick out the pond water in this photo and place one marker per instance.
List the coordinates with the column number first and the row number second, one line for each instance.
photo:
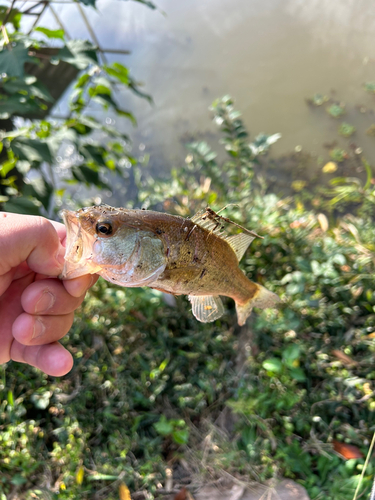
column 269, row 55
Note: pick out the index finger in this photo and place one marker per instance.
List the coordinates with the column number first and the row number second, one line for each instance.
column 32, row 239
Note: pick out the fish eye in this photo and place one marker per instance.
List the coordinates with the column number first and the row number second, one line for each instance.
column 104, row 228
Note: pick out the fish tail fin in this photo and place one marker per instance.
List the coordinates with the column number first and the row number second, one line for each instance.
column 262, row 298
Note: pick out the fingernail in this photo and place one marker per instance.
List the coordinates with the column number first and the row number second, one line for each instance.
column 45, row 302
column 39, row 329
column 83, row 289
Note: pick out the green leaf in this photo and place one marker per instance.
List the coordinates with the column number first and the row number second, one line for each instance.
column 19, row 105
column 51, row 33
column 127, row 114
column 139, row 92
column 147, row 2
column 30, row 85
column 181, row 436
column 89, row 3
column 291, row 354
column 272, row 365
column 13, row 17
column 370, row 86
column 163, row 427
column 335, row 110
column 7, row 166
column 99, row 90
column 31, row 150
column 118, row 71
column 294, row 288
column 10, row 398
column 92, row 152
column 111, row 164
column 87, row 175
column 13, row 58
column 22, row 205
column 41, row 400
column 79, row 53
column 82, row 80
column 298, row 374
column 40, row 189
column 17, row 480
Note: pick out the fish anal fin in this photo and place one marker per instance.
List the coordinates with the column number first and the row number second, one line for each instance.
column 239, row 243
column 206, row 308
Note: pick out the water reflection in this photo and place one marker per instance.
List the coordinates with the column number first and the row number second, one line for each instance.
column 268, row 54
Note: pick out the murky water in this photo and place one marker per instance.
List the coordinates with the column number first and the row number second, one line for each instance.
column 269, row 55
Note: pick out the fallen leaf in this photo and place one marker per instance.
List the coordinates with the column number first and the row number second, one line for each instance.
column 329, row 167
column 323, row 221
column 236, row 492
column 347, row 451
column 123, row 492
column 79, row 475
column 181, row 495
column 346, row 360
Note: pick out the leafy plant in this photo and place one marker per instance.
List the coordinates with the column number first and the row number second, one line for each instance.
column 176, row 429
column 346, row 130
column 32, row 154
column 338, row 154
column 290, row 382
column 336, row 110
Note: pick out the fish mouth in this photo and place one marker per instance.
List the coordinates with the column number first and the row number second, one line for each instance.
column 79, row 245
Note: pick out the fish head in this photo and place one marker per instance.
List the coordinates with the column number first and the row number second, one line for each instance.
column 106, row 241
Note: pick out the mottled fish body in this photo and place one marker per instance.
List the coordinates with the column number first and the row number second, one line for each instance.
column 169, row 253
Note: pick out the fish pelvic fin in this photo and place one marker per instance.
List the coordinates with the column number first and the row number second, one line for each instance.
column 263, row 298
column 206, row 308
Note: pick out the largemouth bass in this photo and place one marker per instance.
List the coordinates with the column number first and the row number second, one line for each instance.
column 180, row 256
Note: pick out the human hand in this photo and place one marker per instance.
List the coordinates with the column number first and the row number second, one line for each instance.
column 36, row 308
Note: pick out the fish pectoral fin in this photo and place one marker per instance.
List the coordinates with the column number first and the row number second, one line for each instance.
column 239, row 243
column 206, row 308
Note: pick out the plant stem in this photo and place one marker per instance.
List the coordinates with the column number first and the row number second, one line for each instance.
column 364, row 469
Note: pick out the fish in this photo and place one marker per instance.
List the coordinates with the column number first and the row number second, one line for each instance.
column 193, row 256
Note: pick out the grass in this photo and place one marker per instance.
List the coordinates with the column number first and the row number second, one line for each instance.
column 153, row 391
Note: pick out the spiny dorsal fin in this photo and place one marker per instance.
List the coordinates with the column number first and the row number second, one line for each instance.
column 239, row 243
column 208, row 224
column 214, row 222
column 206, row 308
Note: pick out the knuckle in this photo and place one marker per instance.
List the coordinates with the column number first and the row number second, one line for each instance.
column 43, row 224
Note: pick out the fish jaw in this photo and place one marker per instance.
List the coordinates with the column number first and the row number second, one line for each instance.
column 78, row 253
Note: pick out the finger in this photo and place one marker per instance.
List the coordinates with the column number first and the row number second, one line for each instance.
column 31, row 239
column 6, row 280
column 60, row 230
column 53, row 359
column 36, row 330
column 10, row 309
column 78, row 286
column 49, row 297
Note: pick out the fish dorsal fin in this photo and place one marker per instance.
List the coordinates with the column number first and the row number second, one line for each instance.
column 208, row 224
column 206, row 308
column 239, row 243
column 214, row 222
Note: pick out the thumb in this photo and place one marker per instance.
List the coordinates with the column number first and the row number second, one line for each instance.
column 31, row 239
